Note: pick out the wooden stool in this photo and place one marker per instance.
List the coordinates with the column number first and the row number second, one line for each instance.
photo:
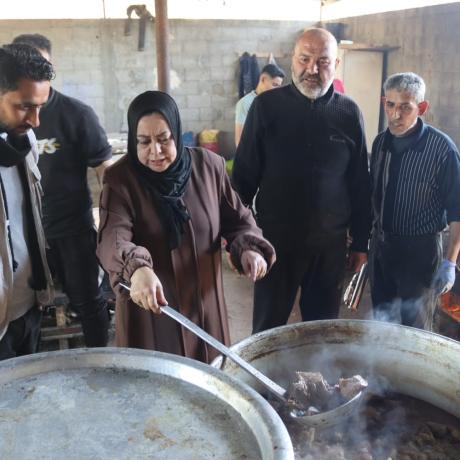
column 63, row 329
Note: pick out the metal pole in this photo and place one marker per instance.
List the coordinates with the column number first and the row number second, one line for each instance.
column 162, row 42
column 382, row 93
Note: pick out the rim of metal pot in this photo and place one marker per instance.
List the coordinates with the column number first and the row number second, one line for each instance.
column 411, row 361
column 81, row 358
column 317, row 334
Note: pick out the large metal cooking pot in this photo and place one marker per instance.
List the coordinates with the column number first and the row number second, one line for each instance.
column 130, row 404
column 403, row 359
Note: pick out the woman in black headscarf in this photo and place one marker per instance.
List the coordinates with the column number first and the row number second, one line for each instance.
column 164, row 209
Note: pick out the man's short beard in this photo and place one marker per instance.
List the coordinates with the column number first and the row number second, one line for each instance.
column 312, row 94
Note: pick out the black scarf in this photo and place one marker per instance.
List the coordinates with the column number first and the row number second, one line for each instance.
column 14, row 149
column 167, row 187
column 13, row 153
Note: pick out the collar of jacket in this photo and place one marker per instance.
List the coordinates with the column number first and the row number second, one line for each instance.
column 418, row 134
column 324, row 99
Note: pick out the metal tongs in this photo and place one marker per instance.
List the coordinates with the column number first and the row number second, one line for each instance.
column 323, row 419
column 355, row 289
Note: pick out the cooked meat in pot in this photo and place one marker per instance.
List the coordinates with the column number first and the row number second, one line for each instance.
column 311, row 393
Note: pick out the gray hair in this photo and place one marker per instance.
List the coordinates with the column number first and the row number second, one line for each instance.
column 407, row 82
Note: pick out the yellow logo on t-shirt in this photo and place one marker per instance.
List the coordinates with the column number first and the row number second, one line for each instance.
column 48, row 145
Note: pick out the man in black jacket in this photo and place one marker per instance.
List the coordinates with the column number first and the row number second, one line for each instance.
column 70, row 139
column 415, row 172
column 303, row 156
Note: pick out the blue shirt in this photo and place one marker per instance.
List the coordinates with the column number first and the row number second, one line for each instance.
column 243, row 106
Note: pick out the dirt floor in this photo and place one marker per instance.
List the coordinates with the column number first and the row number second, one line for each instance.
column 239, row 297
column 238, row 294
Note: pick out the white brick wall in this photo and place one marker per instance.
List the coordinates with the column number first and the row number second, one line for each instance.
column 428, row 39
column 97, row 64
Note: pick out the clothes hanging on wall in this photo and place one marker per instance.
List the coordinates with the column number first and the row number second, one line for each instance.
column 271, row 59
column 249, row 74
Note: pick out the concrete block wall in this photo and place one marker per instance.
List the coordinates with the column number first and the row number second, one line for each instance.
column 96, row 63
column 428, row 39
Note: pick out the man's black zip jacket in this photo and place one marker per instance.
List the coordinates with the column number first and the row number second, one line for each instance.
column 307, row 162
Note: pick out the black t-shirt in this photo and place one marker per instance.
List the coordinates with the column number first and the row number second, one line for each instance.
column 70, row 139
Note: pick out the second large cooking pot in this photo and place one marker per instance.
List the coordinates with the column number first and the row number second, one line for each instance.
column 402, row 359
column 105, row 403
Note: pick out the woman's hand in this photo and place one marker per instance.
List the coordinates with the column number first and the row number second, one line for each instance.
column 254, row 265
column 146, row 290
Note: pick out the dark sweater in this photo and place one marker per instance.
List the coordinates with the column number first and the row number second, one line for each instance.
column 308, row 162
column 419, row 182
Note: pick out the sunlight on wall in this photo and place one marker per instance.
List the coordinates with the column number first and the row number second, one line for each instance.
column 347, row 8
column 299, row 10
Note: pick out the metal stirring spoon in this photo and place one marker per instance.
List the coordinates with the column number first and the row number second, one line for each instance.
column 274, row 388
column 329, row 418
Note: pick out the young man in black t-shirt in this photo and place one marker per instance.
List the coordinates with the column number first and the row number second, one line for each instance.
column 70, row 139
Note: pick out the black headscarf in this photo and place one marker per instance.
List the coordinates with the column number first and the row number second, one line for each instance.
column 167, row 187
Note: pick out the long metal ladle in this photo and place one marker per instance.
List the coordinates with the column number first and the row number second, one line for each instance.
column 323, row 419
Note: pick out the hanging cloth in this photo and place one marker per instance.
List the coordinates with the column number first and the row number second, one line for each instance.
column 249, row 74
column 271, row 60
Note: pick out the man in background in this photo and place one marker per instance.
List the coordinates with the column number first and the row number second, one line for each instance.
column 271, row 77
column 303, row 155
column 25, row 282
column 70, row 140
column 415, row 172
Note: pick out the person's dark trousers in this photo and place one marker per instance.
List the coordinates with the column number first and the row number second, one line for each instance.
column 318, row 271
column 22, row 336
column 401, row 270
column 73, row 260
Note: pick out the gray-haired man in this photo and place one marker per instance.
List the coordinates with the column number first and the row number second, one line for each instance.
column 415, row 172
